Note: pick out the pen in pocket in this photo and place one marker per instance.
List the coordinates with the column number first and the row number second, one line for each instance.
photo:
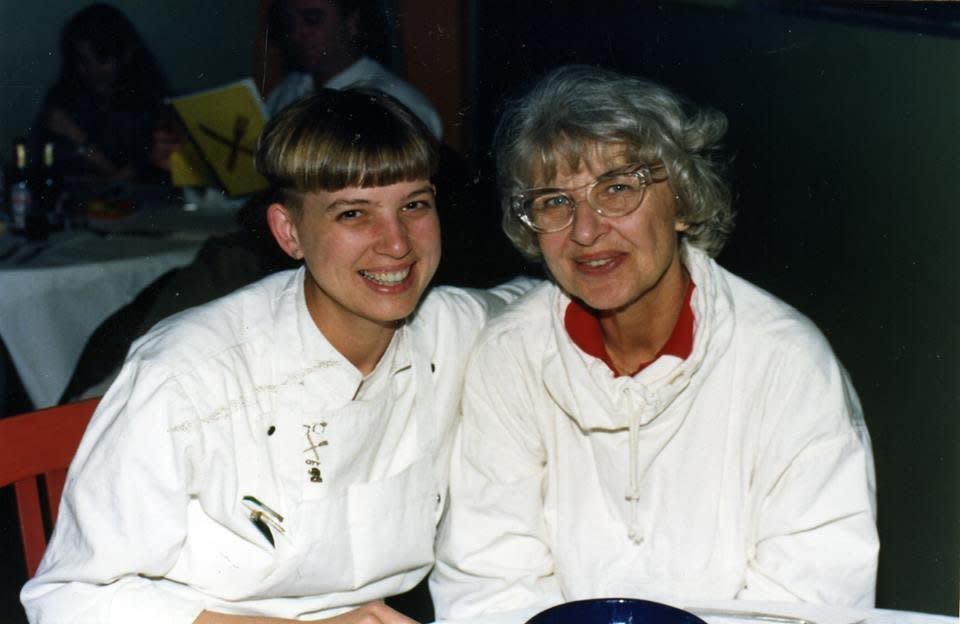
column 263, row 517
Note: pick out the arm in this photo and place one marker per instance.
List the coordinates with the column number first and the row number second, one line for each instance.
column 371, row 613
column 493, row 551
column 60, row 123
column 123, row 515
column 814, row 529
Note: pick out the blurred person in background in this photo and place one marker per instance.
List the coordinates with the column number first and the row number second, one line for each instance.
column 647, row 424
column 107, row 100
column 325, row 43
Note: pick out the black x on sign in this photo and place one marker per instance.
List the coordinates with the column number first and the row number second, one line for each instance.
column 240, row 125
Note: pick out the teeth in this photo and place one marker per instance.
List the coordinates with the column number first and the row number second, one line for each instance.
column 386, row 278
column 598, row 263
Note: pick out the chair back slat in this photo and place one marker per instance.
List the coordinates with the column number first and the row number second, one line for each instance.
column 39, row 445
column 32, row 533
column 54, row 480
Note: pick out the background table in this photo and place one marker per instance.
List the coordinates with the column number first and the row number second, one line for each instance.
column 54, row 294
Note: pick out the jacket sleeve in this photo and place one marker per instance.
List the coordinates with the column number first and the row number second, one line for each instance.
column 492, row 546
column 122, row 520
column 814, row 534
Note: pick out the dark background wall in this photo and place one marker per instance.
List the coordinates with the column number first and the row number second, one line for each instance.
column 845, row 134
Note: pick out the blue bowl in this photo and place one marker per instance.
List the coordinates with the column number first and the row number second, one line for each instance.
column 614, row 611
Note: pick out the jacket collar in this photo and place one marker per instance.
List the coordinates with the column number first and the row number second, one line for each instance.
column 585, row 387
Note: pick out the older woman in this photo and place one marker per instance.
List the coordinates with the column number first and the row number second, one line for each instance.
column 281, row 453
column 648, row 424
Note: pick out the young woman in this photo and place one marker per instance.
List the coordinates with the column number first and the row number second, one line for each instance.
column 281, row 453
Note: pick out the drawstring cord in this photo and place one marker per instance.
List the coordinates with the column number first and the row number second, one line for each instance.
column 633, row 488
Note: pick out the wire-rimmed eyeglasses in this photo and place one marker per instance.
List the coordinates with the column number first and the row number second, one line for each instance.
column 616, row 193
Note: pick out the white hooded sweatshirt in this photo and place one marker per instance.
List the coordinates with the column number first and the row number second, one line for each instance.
column 743, row 471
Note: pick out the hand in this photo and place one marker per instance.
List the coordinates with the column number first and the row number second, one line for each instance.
column 370, row 613
column 165, row 143
column 60, row 122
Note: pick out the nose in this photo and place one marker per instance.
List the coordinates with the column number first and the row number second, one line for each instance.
column 393, row 239
column 588, row 226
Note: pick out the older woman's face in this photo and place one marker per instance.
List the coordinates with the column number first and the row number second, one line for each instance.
column 612, row 263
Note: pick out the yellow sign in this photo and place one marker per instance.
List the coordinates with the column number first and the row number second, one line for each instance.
column 224, row 124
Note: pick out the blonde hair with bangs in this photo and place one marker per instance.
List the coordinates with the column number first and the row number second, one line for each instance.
column 334, row 139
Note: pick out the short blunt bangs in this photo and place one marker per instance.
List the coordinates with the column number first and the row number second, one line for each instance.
column 335, row 139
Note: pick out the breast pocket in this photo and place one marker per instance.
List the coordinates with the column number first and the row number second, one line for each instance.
column 393, row 523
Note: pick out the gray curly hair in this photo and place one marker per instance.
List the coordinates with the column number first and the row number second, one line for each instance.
column 576, row 109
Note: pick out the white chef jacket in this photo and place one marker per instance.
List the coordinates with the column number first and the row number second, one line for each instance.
column 365, row 72
column 245, row 397
column 743, row 471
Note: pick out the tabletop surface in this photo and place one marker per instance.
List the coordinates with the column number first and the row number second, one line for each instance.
column 54, row 293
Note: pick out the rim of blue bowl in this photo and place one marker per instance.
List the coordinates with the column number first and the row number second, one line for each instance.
column 546, row 613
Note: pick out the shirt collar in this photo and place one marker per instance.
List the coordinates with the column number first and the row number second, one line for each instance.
column 583, row 327
column 356, row 73
column 347, row 382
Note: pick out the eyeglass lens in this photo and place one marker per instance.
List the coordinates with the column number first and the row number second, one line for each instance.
column 613, row 195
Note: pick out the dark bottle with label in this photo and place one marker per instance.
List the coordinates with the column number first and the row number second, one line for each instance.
column 50, row 192
column 21, row 195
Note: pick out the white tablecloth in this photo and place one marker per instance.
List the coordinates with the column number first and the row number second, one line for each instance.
column 815, row 614
column 51, row 302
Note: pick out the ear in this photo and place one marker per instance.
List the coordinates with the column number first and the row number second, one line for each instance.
column 679, row 225
column 283, row 226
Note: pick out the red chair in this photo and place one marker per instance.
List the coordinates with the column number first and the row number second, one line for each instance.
column 34, row 446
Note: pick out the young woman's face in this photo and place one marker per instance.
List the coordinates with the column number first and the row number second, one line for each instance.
column 370, row 252
column 98, row 72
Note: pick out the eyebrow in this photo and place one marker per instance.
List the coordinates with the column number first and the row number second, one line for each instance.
column 366, row 202
column 423, row 189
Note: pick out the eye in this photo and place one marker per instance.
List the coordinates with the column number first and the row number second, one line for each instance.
column 349, row 215
column 618, row 185
column 552, row 201
column 313, row 17
column 418, row 205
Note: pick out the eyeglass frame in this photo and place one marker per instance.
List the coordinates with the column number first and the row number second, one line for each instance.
column 643, row 172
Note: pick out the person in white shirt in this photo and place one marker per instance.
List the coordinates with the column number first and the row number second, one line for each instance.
column 323, row 42
column 647, row 425
column 281, row 453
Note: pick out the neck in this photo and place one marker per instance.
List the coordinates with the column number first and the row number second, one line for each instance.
column 635, row 333
column 331, row 68
column 363, row 342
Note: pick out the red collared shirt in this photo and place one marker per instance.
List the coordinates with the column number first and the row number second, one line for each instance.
column 584, row 329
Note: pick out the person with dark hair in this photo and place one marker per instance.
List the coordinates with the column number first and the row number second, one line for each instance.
column 281, row 453
column 647, row 424
column 330, row 43
column 101, row 112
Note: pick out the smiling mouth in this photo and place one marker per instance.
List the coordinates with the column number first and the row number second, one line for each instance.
column 597, row 263
column 386, row 278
